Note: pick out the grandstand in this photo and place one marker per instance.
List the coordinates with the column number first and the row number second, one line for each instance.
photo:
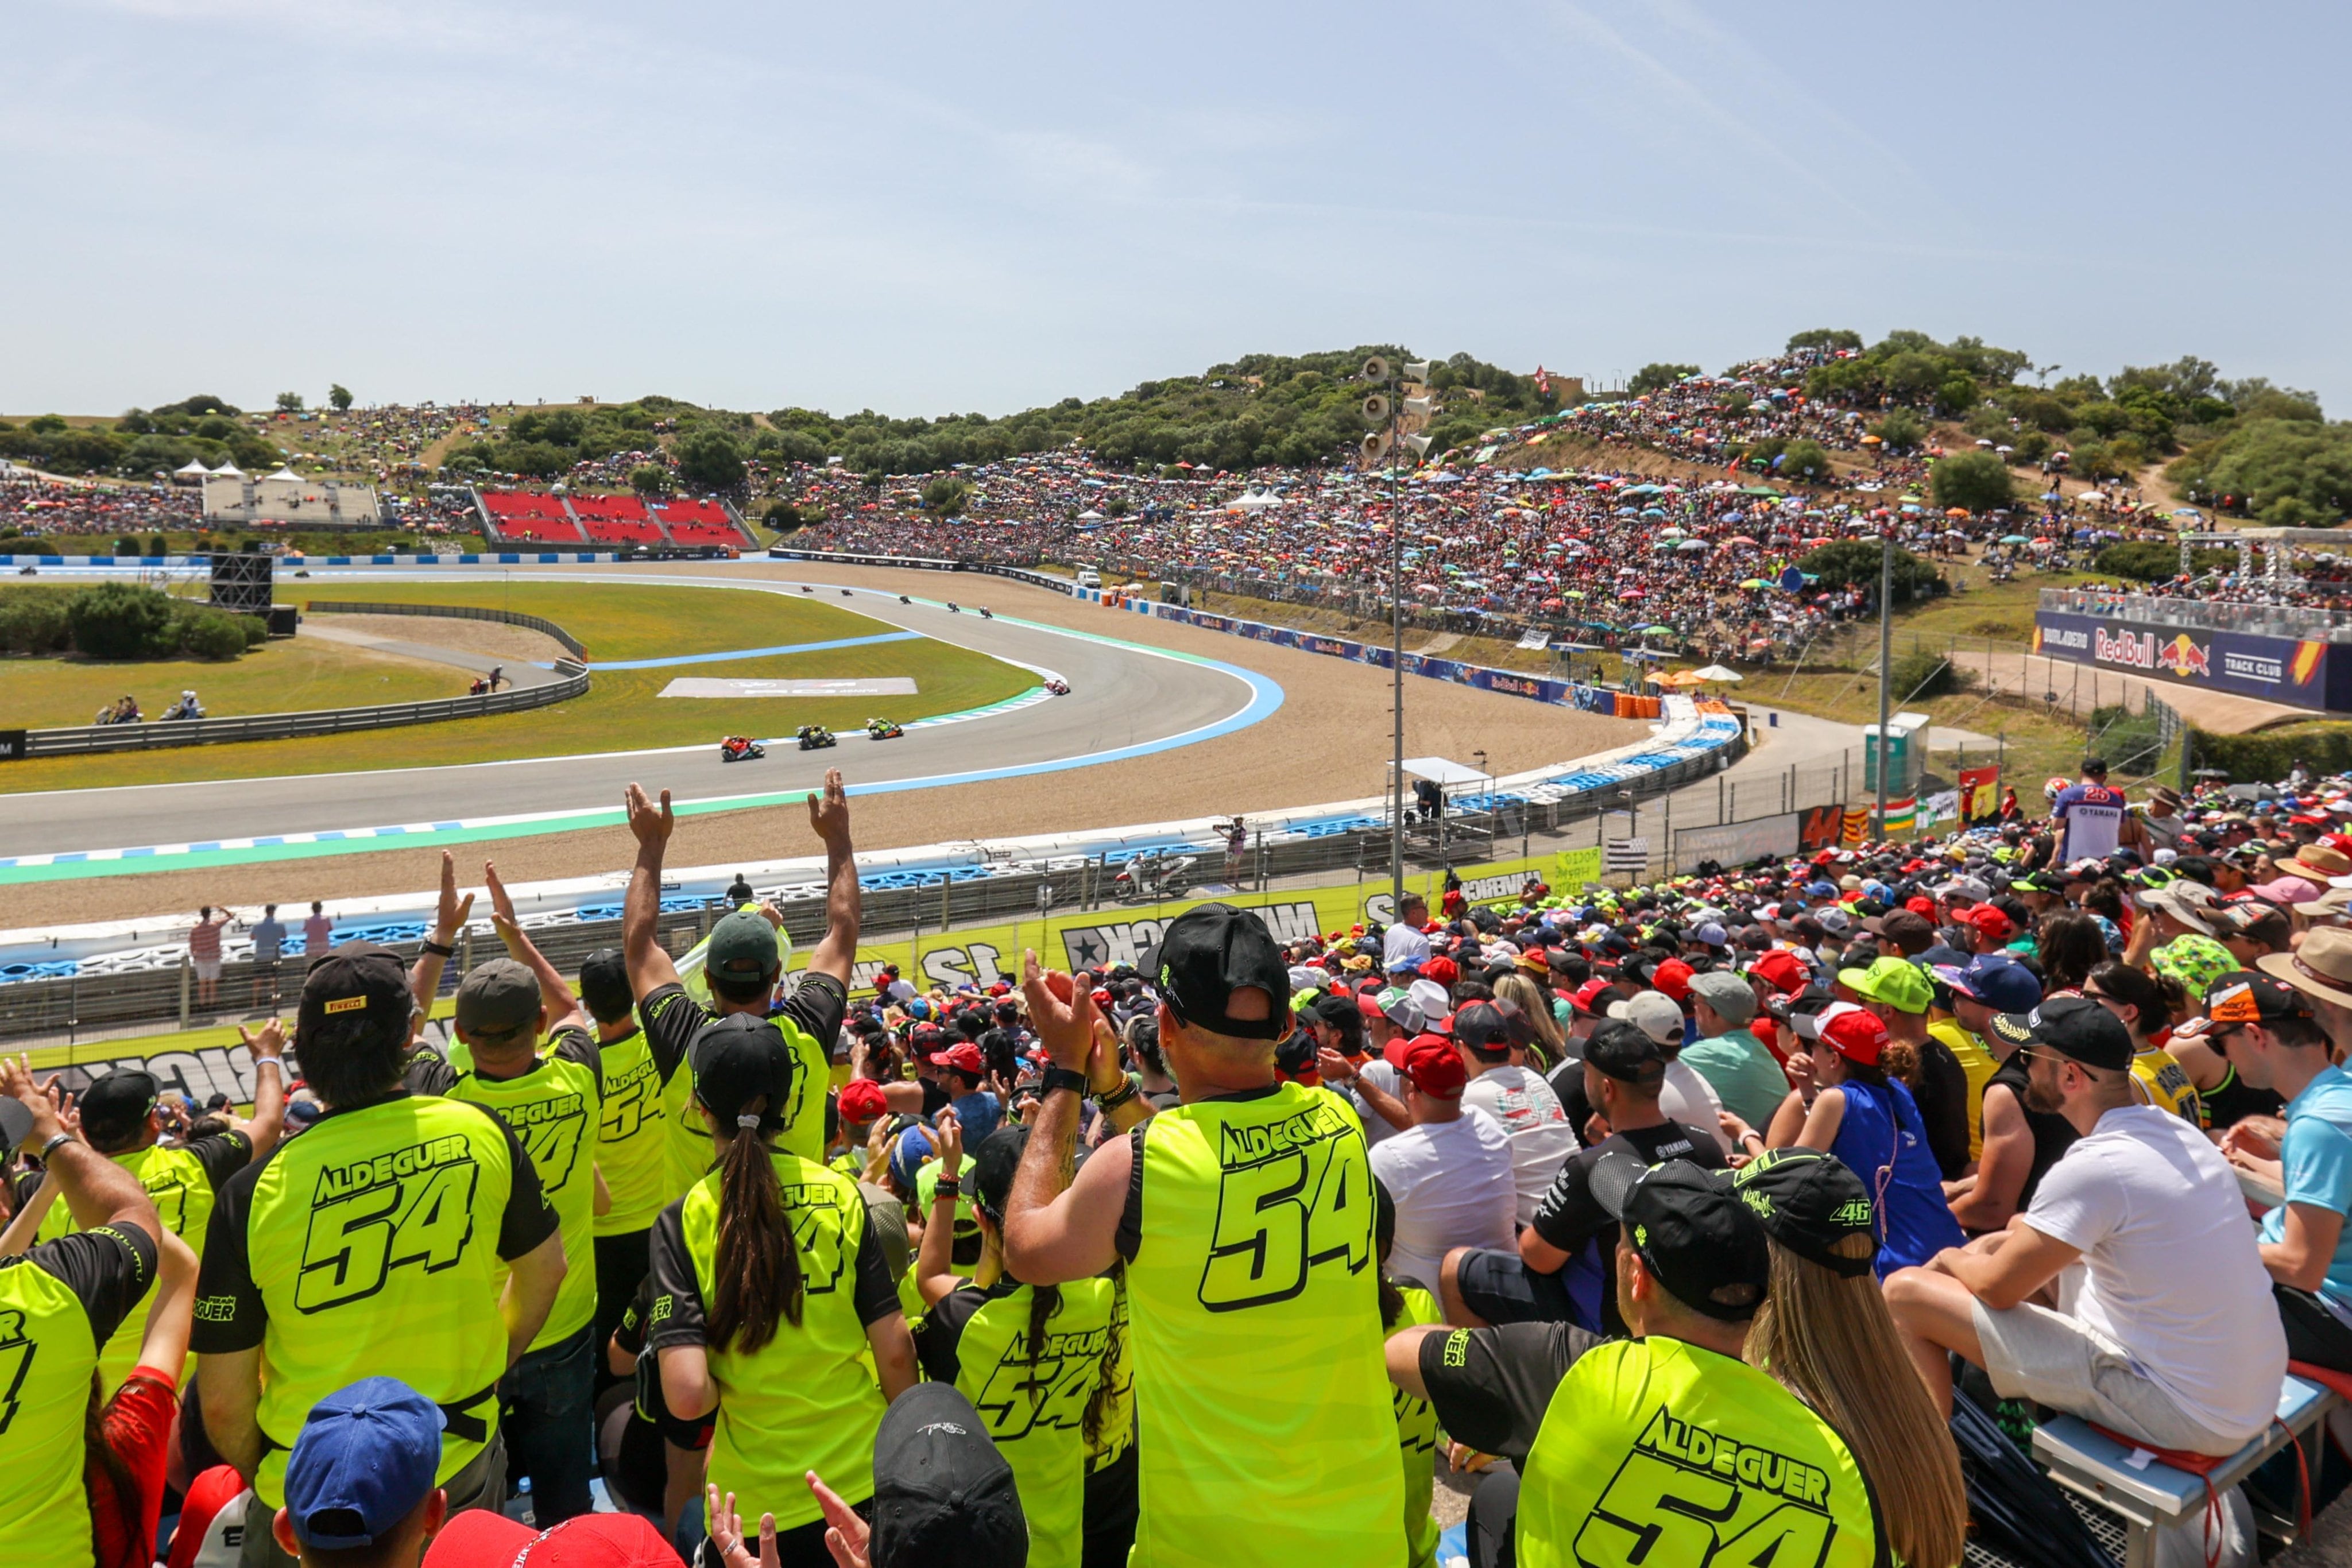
column 526, row 517
column 617, row 520
column 699, row 522
column 532, row 517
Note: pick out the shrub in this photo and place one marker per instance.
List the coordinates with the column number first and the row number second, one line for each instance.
column 649, row 479
column 1976, row 480
column 710, row 458
column 34, row 623
column 2143, row 560
column 159, row 545
column 127, row 545
column 946, row 495
column 2270, row 755
column 1915, row 677
column 212, row 635
column 1804, row 460
column 1901, row 429
column 120, row 621
column 1851, row 561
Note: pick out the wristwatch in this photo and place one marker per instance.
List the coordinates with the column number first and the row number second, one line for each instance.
column 1062, row 1078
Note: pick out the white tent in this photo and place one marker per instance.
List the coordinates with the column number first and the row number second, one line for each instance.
column 1253, row 501
column 193, row 471
column 1438, row 770
column 1717, row 673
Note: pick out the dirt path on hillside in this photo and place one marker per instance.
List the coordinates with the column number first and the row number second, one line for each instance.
column 1330, row 742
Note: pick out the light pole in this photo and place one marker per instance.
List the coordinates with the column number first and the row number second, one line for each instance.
column 1387, row 415
column 1885, row 654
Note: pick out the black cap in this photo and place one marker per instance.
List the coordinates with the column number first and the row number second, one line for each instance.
column 1699, row 1240
column 15, row 1123
column 736, row 1060
column 993, row 1164
column 359, row 978
column 604, row 985
column 1481, row 1026
column 1808, row 1202
column 942, row 1493
column 2074, row 1027
column 2245, row 997
column 1626, row 1052
column 1207, row 954
column 116, row 1102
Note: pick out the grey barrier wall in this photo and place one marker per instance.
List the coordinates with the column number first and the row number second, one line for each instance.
column 452, row 612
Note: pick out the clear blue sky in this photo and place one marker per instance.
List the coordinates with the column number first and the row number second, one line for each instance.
column 925, row 208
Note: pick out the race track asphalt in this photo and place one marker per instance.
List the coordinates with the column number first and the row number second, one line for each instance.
column 1124, row 700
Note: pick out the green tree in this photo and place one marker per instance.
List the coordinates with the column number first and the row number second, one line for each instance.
column 1657, row 377
column 1804, row 460
column 1825, row 338
column 340, row 396
column 289, row 403
column 212, row 635
column 948, row 495
column 120, row 620
column 649, row 479
column 709, row 457
column 1978, row 481
column 786, row 517
column 1901, row 430
column 1848, row 562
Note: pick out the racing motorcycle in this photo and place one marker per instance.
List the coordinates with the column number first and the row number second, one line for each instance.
column 813, row 736
column 883, row 729
column 740, row 748
column 1057, row 687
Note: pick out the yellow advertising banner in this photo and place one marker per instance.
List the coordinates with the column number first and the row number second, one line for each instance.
column 1100, row 939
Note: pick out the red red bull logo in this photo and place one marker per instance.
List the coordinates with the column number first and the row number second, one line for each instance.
column 2184, row 658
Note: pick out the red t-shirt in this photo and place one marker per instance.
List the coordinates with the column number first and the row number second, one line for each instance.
column 137, row 1423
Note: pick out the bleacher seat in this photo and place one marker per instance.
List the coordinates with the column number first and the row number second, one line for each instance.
column 616, row 520
column 529, row 516
column 699, row 522
column 2150, row 1494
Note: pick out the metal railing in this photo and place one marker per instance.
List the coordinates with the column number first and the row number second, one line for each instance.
column 88, row 739
column 451, row 611
column 2207, row 616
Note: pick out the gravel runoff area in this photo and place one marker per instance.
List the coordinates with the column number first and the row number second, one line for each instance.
column 491, row 639
column 1330, row 742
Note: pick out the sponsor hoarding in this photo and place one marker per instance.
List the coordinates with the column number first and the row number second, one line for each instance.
column 2308, row 673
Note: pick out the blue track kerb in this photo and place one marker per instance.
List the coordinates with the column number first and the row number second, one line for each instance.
column 1265, row 697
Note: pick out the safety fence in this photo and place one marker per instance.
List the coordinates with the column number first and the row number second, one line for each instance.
column 451, row 611
column 88, row 739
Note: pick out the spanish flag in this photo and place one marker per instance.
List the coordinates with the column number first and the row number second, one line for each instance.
column 2307, row 661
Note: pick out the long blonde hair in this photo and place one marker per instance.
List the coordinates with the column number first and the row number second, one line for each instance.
column 1829, row 1340
column 1529, row 998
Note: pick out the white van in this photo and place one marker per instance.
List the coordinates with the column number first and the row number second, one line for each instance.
column 1090, row 578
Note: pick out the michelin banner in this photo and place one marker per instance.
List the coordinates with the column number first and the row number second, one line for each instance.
column 1101, row 939
column 2306, row 674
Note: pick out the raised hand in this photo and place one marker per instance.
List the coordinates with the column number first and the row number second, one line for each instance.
column 451, row 915
column 1063, row 1015
column 502, row 910
column 652, row 824
column 269, row 1044
column 829, row 813
column 949, row 1137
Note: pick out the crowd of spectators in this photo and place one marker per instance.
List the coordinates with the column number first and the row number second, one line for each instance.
column 1809, row 1153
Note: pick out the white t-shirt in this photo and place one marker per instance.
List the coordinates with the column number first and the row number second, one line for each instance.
column 1401, row 943
column 1688, row 1098
column 1378, row 1129
column 2170, row 1268
column 1451, row 1182
column 1528, row 1109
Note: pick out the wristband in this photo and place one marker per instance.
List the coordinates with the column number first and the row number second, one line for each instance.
column 436, row 949
column 1116, row 1097
column 946, row 1186
column 1062, row 1078
column 52, row 1146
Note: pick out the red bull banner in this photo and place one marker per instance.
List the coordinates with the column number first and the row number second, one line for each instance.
column 2299, row 673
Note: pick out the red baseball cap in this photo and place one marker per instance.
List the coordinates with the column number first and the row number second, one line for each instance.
column 1674, row 978
column 1586, row 995
column 1992, row 922
column 1854, row 1033
column 588, row 1541
column 1435, row 1066
column 1444, row 971
column 964, row 1058
column 861, row 1100
column 1921, row 905
column 1782, row 970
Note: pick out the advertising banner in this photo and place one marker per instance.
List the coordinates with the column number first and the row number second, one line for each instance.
column 1736, row 843
column 1820, row 828
column 2306, row 674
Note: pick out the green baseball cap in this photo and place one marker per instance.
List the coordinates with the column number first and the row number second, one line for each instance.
column 742, row 947
column 1896, row 982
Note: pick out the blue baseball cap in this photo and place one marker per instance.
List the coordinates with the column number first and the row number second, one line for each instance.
column 1821, row 889
column 913, row 1147
column 364, row 1461
column 1999, row 982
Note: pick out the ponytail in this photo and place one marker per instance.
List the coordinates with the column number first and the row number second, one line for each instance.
column 1392, row 1301
column 1106, row 1394
column 756, row 1263
column 1045, row 1300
